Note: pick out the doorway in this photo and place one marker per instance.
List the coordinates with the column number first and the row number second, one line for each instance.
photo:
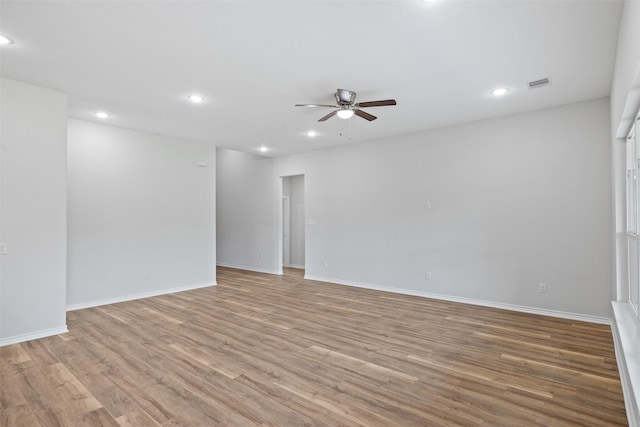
column 293, row 222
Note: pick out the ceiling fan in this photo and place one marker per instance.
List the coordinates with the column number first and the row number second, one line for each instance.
column 346, row 106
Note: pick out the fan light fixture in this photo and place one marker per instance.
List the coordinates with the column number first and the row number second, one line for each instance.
column 102, row 115
column 345, row 114
column 196, row 99
column 346, row 106
column 263, row 149
column 312, row 133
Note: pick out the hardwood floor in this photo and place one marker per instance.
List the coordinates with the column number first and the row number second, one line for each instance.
column 278, row 350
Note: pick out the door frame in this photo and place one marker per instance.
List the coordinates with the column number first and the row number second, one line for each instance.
column 286, row 231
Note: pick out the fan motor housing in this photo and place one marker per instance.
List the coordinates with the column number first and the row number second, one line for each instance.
column 345, row 97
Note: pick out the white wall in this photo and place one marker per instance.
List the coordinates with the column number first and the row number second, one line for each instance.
column 141, row 214
column 514, row 201
column 33, row 135
column 248, row 202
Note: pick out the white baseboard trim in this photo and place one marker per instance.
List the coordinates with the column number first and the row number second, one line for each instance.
column 250, row 268
column 626, row 336
column 298, row 266
column 16, row 339
column 131, row 297
column 492, row 304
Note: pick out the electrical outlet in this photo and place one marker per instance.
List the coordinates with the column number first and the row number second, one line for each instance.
column 427, row 275
column 542, row 288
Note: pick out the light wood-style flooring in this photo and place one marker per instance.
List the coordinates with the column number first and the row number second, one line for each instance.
column 272, row 350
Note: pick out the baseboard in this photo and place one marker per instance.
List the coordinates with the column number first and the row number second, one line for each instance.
column 16, row 339
column 131, row 297
column 492, row 304
column 298, row 266
column 250, row 268
column 626, row 336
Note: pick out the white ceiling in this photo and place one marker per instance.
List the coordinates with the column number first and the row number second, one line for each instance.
column 253, row 60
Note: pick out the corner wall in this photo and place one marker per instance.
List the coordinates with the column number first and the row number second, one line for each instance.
column 514, row 201
column 33, row 135
column 141, row 214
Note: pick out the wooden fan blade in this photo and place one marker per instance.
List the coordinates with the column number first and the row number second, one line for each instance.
column 364, row 115
column 328, row 116
column 316, row 105
column 376, row 103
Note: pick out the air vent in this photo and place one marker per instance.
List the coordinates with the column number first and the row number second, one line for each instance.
column 539, row 83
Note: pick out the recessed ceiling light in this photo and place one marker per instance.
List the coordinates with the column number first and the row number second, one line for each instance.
column 312, row 133
column 196, row 99
column 5, row 40
column 102, row 115
column 264, row 149
column 499, row 91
